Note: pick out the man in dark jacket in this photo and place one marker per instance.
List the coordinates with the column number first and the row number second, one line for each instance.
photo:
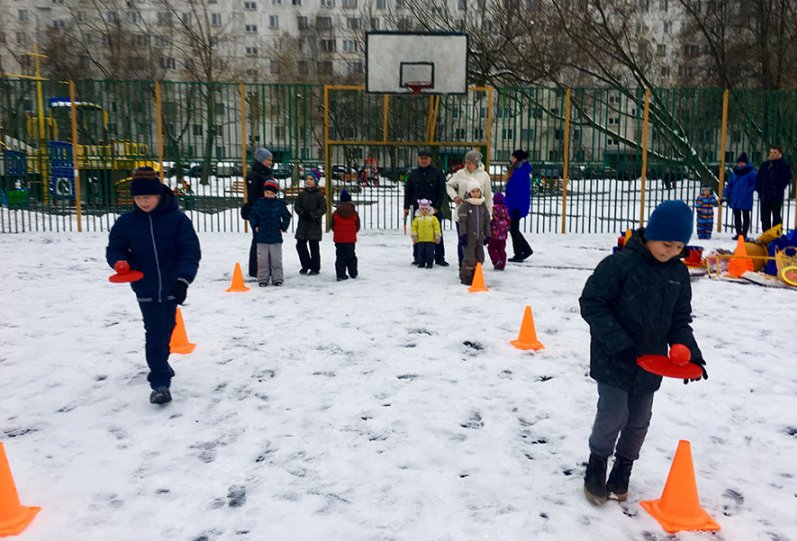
column 259, row 172
column 637, row 302
column 158, row 240
column 426, row 182
column 772, row 179
column 310, row 206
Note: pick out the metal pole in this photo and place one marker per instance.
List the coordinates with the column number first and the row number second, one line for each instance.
column 42, row 139
column 723, row 135
column 242, row 93
column 330, row 188
column 159, row 127
column 645, row 117
column 489, row 90
column 73, row 120
column 385, row 121
column 566, row 150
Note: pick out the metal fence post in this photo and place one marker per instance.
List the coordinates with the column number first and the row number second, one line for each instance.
column 242, row 93
column 645, row 118
column 330, row 188
column 566, row 166
column 489, row 139
column 723, row 136
column 73, row 122
column 159, row 127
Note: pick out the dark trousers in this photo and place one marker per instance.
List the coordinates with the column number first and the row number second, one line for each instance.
column 520, row 246
column 623, row 413
column 741, row 222
column 425, row 254
column 460, row 253
column 497, row 250
column 253, row 257
column 309, row 260
column 158, row 326
column 345, row 259
column 770, row 213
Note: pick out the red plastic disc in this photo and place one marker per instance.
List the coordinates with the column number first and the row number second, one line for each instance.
column 661, row 365
column 132, row 276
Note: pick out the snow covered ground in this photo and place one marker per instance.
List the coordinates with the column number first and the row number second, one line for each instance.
column 391, row 407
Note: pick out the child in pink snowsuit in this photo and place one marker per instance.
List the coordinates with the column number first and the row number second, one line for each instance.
column 499, row 227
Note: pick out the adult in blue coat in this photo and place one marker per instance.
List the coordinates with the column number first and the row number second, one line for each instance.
column 518, row 197
column 158, row 240
column 772, row 179
column 739, row 194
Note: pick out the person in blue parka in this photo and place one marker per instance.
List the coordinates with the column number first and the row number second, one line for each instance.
column 158, row 240
column 518, row 197
column 739, row 194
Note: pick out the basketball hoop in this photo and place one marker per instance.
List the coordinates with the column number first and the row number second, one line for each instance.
column 416, row 87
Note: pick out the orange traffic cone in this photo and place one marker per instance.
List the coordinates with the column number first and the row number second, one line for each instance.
column 679, row 506
column 237, row 284
column 14, row 518
column 478, row 280
column 179, row 342
column 527, row 337
column 740, row 262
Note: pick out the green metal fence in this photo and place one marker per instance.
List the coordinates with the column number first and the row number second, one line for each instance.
column 207, row 133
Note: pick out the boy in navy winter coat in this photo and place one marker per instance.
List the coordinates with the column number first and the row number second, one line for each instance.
column 158, row 240
column 270, row 218
column 637, row 302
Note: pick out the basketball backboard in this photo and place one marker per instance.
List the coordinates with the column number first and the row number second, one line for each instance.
column 418, row 62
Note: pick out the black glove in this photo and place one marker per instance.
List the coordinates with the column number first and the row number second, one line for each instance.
column 180, row 290
column 702, row 364
column 486, row 240
column 463, row 240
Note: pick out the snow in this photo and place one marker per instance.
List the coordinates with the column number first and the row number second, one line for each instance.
column 390, row 407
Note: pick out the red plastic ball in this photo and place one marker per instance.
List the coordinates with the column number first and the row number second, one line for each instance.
column 680, row 354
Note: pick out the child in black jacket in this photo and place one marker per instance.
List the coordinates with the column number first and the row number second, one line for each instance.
column 637, row 301
column 158, row 240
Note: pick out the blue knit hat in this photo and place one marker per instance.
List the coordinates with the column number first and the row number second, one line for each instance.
column 344, row 196
column 670, row 221
column 146, row 181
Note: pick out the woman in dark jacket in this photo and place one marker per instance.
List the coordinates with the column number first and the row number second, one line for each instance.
column 310, row 206
column 518, row 197
column 739, row 194
column 259, row 172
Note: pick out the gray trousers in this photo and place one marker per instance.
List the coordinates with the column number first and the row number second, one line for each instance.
column 269, row 262
column 623, row 413
column 471, row 254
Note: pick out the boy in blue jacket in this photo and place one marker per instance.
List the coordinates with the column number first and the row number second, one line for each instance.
column 637, row 301
column 270, row 218
column 158, row 240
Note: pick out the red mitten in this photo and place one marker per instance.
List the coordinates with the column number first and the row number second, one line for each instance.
column 121, row 266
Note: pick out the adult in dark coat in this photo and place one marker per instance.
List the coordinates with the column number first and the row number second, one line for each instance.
column 739, row 194
column 518, row 197
column 426, row 182
column 310, row 206
column 259, row 172
column 772, row 179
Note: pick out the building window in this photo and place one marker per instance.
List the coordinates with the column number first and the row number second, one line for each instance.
column 461, row 5
column 381, row 4
column 355, row 23
column 250, row 6
column 22, row 38
column 349, row 46
column 134, row 17
column 507, row 133
column 374, row 24
column 661, row 49
column 160, row 41
column 276, row 2
column 164, row 18
column 273, row 21
column 664, row 5
column 354, row 68
column 275, row 67
column 215, row 19
column 323, row 23
column 324, row 68
column 328, row 45
column 58, row 24
column 197, row 130
column 302, row 67
column 349, row 4
column 2, row 37
column 527, row 134
column 459, row 133
column 327, row 3
column 667, row 27
column 665, row 71
column 168, row 63
column 692, row 50
column 400, row 4
column 22, row 14
column 251, row 51
column 140, row 40
column 302, row 22
column 251, row 28
column 478, row 134
column 296, row 2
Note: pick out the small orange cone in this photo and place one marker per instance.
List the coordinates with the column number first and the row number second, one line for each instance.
column 679, row 506
column 478, row 280
column 527, row 337
column 179, row 342
column 237, row 284
column 14, row 518
column 740, row 262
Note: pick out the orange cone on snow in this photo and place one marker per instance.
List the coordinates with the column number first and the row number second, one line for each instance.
column 740, row 262
column 14, row 518
column 478, row 280
column 237, row 284
column 527, row 337
column 179, row 342
column 679, row 506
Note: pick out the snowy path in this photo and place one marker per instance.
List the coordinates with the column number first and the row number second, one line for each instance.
column 390, row 407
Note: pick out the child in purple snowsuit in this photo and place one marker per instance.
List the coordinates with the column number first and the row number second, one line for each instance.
column 499, row 227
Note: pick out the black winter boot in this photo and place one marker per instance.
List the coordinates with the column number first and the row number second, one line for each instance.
column 595, row 480
column 618, row 478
